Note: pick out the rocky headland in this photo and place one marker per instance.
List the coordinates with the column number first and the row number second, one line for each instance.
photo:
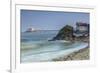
column 67, row 34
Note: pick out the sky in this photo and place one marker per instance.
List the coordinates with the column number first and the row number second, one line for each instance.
column 51, row 20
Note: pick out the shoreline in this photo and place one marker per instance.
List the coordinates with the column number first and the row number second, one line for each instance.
column 82, row 54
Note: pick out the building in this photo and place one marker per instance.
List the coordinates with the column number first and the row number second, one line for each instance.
column 30, row 29
column 82, row 29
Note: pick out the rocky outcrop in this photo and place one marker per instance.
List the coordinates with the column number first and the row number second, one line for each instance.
column 66, row 33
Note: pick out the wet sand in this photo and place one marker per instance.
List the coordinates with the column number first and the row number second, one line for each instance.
column 82, row 54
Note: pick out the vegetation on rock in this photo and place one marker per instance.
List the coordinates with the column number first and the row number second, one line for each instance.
column 66, row 33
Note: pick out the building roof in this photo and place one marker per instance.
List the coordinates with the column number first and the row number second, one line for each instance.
column 82, row 24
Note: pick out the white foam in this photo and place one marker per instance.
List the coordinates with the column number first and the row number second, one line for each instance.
column 50, row 53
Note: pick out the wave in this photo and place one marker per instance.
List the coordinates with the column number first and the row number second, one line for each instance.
column 48, row 51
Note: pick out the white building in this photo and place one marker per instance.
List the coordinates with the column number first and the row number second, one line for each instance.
column 82, row 29
column 30, row 29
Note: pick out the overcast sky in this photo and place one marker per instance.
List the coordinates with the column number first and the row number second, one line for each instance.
column 50, row 20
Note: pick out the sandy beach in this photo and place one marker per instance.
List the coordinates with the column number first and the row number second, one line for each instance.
column 82, row 54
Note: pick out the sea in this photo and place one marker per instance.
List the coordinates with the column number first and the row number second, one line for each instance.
column 36, row 47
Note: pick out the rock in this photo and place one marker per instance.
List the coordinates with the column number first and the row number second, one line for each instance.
column 66, row 33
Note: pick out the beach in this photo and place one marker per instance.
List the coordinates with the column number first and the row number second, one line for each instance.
column 35, row 47
column 82, row 54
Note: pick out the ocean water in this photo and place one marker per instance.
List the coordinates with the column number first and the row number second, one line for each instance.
column 35, row 46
